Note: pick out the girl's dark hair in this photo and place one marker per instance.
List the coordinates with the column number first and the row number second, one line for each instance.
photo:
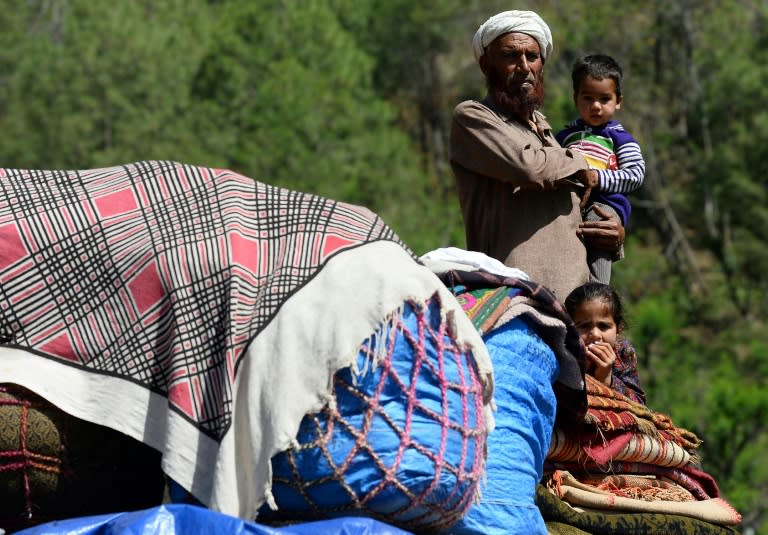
column 599, row 67
column 596, row 291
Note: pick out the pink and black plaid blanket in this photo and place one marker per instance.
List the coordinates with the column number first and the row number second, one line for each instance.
column 193, row 308
column 186, row 264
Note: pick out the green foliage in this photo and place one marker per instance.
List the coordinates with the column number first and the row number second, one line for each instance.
column 89, row 85
column 734, row 437
column 730, row 140
column 290, row 95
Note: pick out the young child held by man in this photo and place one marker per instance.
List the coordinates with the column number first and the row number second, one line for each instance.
column 598, row 313
column 607, row 146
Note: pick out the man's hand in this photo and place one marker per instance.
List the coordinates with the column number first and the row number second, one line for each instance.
column 606, row 235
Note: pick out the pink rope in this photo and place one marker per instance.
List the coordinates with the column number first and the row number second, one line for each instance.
column 27, row 489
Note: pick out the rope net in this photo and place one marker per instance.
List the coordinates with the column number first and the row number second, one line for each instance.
column 403, row 438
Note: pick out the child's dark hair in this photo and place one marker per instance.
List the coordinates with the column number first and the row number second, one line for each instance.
column 596, row 291
column 599, row 67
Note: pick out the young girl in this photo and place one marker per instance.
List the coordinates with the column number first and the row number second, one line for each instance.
column 598, row 313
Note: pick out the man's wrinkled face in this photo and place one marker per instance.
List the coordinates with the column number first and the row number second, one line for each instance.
column 513, row 67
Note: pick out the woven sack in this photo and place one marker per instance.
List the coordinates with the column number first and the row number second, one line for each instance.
column 55, row 466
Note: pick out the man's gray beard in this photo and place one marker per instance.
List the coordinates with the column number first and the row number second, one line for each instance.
column 520, row 105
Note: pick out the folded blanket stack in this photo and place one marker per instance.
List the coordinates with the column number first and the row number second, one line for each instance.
column 625, row 457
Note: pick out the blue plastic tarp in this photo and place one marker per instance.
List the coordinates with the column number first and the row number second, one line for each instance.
column 524, row 368
column 182, row 519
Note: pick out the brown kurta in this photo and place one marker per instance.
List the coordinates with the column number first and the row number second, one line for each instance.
column 505, row 171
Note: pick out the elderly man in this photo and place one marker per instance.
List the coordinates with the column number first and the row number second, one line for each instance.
column 520, row 192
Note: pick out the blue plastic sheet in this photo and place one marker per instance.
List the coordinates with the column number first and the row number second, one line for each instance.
column 524, row 368
column 183, row 519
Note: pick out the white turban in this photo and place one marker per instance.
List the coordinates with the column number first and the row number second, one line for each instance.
column 526, row 22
